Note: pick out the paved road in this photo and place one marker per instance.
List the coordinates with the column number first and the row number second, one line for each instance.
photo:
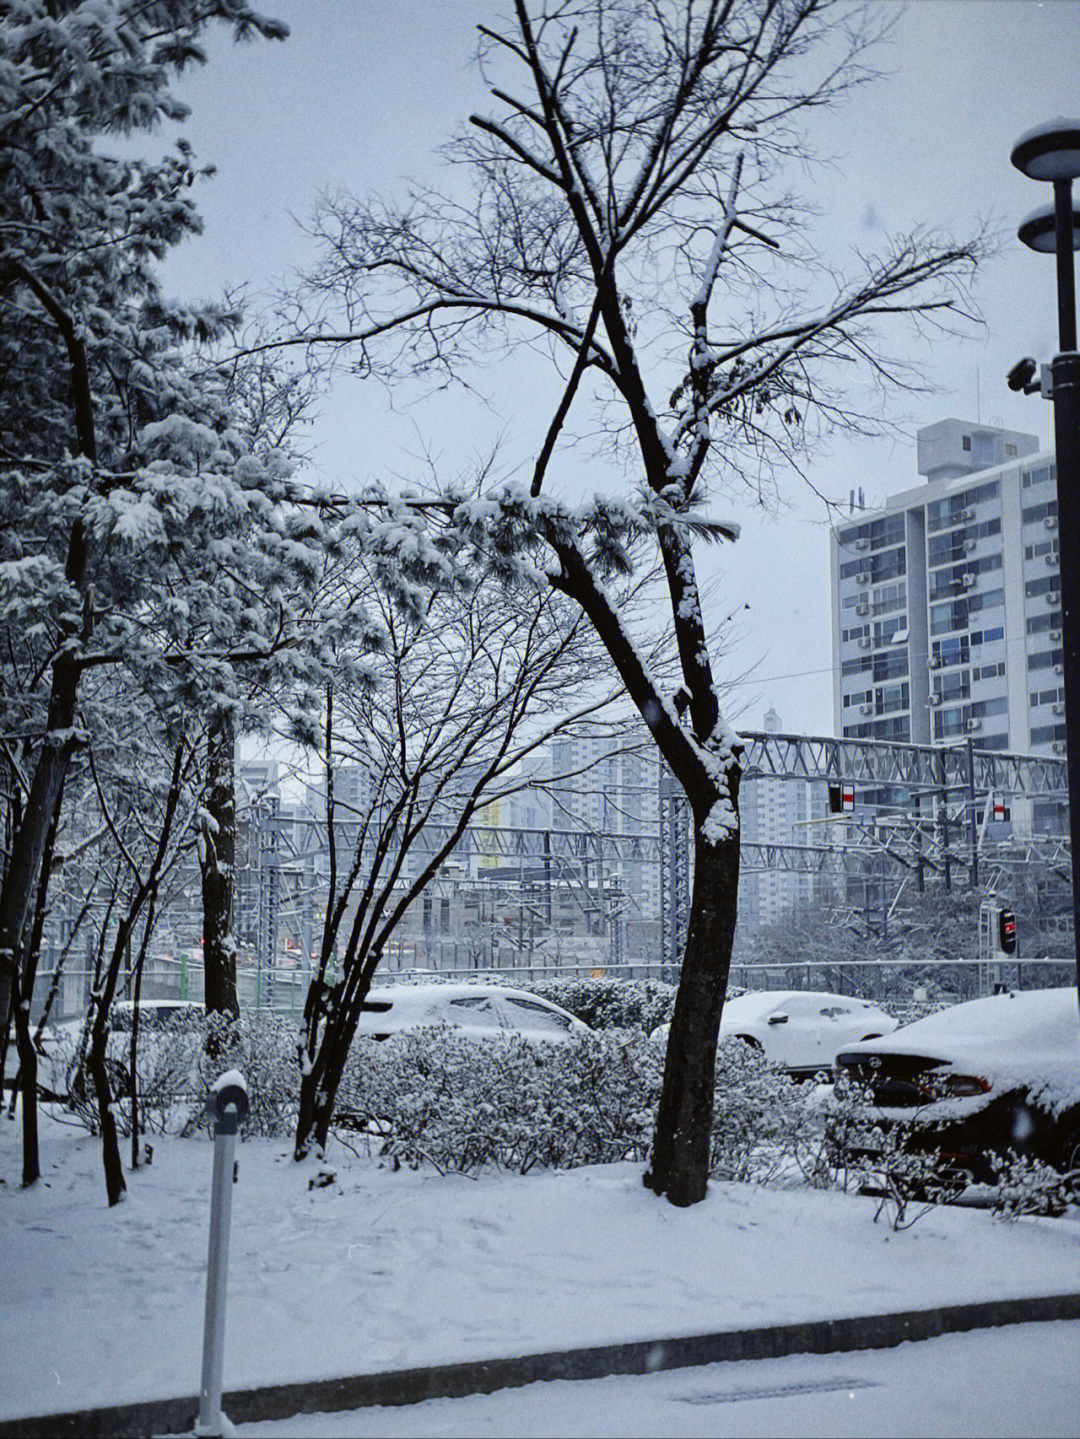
column 1023, row 1381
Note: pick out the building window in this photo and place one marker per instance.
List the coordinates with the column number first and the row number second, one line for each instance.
column 885, row 630
column 1034, row 513
column 952, row 651
column 892, row 698
column 948, row 617
column 891, row 665
column 966, row 442
column 1041, row 586
column 948, row 723
column 1047, row 733
column 1046, row 697
column 1039, row 624
column 946, row 514
column 986, row 637
column 983, row 709
column 952, row 686
column 1038, row 477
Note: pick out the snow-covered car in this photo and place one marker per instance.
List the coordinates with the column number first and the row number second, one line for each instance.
column 477, row 1011
column 802, row 1030
column 979, row 1080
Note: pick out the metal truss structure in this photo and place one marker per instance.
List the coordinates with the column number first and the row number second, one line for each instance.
column 929, row 825
column 928, row 830
column 915, row 768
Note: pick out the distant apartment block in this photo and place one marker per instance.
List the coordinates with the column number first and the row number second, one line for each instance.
column 946, row 603
column 775, row 811
column 602, row 788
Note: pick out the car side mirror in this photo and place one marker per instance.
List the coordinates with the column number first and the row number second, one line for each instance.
column 778, row 1019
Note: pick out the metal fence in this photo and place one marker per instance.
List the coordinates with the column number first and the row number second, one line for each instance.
column 284, row 990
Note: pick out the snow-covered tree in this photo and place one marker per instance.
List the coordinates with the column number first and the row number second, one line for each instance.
column 435, row 722
column 629, row 217
column 125, row 496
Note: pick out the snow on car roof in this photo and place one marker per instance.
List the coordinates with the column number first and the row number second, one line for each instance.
column 1047, row 1018
column 409, row 995
column 763, row 1001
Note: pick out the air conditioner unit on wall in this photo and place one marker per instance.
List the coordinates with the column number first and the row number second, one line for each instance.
column 1059, row 669
column 1051, row 558
column 967, row 515
column 1055, row 637
column 862, row 578
column 1058, row 708
column 862, row 609
column 1050, row 522
column 866, row 709
column 969, row 545
column 865, row 642
column 936, row 662
column 1059, row 746
column 934, row 701
column 1053, row 598
column 974, row 724
column 862, row 544
column 968, row 581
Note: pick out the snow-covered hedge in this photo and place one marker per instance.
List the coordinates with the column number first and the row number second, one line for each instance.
column 175, row 1068
column 608, row 1003
column 436, row 1098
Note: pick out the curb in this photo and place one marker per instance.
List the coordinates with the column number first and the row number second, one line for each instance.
column 484, row 1376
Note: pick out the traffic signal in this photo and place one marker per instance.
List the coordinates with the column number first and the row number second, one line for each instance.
column 1007, row 931
column 841, row 798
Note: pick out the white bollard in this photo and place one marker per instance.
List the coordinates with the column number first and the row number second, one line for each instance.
column 228, row 1102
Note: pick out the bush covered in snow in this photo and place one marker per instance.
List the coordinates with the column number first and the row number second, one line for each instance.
column 177, row 1062
column 1028, row 1186
column 439, row 1099
column 609, row 1003
column 435, row 1097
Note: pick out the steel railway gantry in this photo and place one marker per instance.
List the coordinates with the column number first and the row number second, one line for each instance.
column 933, row 824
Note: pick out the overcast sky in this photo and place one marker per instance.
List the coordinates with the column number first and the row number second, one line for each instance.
column 363, row 92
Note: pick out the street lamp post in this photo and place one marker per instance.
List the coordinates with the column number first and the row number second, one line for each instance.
column 1051, row 152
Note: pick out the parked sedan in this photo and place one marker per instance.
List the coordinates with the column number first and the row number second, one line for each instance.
column 980, row 1080
column 802, row 1030
column 477, row 1011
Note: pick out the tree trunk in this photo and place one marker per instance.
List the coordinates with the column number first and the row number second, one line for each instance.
column 110, row 1136
column 24, row 1040
column 218, row 866
column 46, row 790
column 679, row 1164
column 319, row 1086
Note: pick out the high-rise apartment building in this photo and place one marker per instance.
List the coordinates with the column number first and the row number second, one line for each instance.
column 776, row 811
column 946, row 605
column 602, row 788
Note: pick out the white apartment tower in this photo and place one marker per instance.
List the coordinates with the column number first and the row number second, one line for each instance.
column 776, row 811
column 946, row 606
column 610, row 790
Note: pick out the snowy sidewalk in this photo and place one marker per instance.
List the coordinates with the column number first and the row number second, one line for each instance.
column 381, row 1271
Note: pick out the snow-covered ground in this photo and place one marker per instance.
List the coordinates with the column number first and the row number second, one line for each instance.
column 380, row 1270
column 1019, row 1381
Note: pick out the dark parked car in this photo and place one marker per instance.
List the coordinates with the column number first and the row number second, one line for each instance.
column 980, row 1080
